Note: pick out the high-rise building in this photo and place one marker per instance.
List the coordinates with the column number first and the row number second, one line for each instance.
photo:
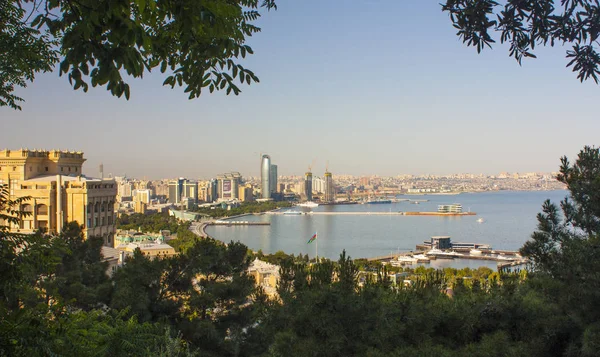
column 265, row 176
column 58, row 192
column 308, row 186
column 190, row 191
column 143, row 196
column 213, row 190
column 228, row 186
column 161, row 189
column 318, row 185
column 125, row 190
column 329, row 195
column 176, row 191
column 245, row 193
column 273, row 179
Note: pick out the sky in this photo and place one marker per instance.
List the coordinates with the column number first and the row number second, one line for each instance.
column 365, row 86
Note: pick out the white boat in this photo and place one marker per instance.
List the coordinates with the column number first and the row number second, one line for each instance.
column 404, row 259
column 480, row 220
column 475, row 252
column 292, row 213
column 421, row 258
column 308, row 204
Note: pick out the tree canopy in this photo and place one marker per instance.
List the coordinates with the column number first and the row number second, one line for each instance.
column 197, row 44
column 525, row 24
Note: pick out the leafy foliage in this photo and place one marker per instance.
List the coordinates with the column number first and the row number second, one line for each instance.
column 24, row 51
column 154, row 222
column 530, row 23
column 566, row 246
column 246, row 207
column 196, row 43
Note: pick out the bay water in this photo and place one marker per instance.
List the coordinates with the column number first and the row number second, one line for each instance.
column 509, row 220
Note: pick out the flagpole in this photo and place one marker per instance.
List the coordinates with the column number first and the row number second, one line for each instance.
column 317, row 234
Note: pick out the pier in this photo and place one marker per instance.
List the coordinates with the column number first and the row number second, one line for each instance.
column 383, row 213
column 442, row 247
column 239, row 223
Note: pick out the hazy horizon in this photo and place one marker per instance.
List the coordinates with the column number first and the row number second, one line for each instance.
column 372, row 87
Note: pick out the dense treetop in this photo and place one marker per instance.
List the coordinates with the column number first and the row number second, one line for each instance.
column 525, row 24
column 195, row 43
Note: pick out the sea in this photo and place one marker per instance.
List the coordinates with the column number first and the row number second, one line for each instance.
column 509, row 219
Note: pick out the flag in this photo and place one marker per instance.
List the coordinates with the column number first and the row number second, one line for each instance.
column 312, row 239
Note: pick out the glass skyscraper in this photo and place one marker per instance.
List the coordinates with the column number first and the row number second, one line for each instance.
column 265, row 176
column 273, row 179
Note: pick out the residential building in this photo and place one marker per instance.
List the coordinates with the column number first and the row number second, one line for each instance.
column 245, row 193
column 318, row 185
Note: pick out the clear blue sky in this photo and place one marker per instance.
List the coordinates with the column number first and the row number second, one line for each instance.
column 372, row 86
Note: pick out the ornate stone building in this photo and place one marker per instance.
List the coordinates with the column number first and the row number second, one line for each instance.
column 58, row 192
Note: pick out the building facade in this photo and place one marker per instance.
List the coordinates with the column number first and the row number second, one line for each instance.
column 308, row 184
column 228, row 185
column 59, row 192
column 190, row 191
column 273, row 179
column 329, row 194
column 265, row 177
column 245, row 193
column 175, row 191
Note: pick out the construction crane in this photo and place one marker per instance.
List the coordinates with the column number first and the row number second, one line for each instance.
column 311, row 165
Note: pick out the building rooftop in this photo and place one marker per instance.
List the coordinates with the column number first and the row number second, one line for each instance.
column 145, row 246
column 263, row 267
column 65, row 178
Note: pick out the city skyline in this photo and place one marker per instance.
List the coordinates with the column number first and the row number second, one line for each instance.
column 369, row 99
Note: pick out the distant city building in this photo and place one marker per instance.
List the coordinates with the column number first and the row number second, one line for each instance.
column 329, row 188
column 228, row 185
column 265, row 176
column 318, row 185
column 190, row 191
column 273, row 179
column 140, row 207
column 209, row 191
column 59, row 193
column 175, row 190
column 143, row 196
column 245, row 193
column 161, row 189
column 125, row 189
column 308, row 185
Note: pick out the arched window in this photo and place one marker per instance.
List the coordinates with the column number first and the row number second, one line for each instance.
column 97, row 207
column 42, row 209
column 103, row 207
column 28, row 209
column 89, row 207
